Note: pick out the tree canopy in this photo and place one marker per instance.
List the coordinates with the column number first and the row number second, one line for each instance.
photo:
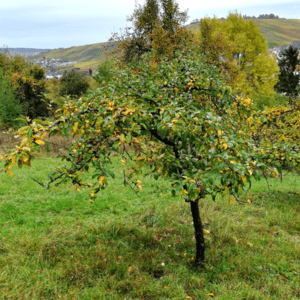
column 157, row 26
column 179, row 119
column 28, row 82
column 73, row 83
column 236, row 41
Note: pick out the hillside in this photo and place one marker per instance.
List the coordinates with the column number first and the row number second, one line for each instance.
column 277, row 32
column 86, row 56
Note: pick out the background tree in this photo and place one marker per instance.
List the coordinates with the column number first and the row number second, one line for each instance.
column 218, row 50
column 258, row 71
column 157, row 25
column 73, row 83
column 10, row 107
column 28, row 83
column 30, row 86
column 289, row 77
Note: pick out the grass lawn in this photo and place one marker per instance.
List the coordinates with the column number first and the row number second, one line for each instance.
column 54, row 244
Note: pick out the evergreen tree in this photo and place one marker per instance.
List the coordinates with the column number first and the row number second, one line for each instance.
column 10, row 107
column 288, row 79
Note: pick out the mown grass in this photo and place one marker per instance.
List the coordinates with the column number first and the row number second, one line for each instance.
column 54, row 244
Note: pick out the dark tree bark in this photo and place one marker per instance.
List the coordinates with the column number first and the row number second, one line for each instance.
column 199, row 236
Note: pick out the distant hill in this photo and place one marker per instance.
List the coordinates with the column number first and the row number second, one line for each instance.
column 80, row 54
column 24, row 51
column 277, row 32
column 87, row 56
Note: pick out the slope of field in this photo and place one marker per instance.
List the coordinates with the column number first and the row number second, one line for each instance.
column 79, row 53
column 277, row 32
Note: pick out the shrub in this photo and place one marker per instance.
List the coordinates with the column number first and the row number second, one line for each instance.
column 262, row 101
column 104, row 71
column 73, row 83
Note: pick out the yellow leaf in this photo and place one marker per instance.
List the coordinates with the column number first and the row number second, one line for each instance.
column 101, row 179
column 225, row 146
column 40, row 142
column 91, row 200
column 206, row 231
column 13, row 160
column 188, row 297
column 249, row 201
column 231, row 199
column 129, row 270
column 77, row 188
column 210, row 294
column 23, row 142
column 92, row 193
column 140, row 158
column 75, row 126
column 27, row 163
column 185, row 192
column 44, row 134
column 159, row 169
column 219, row 132
column 250, row 244
column 1, row 157
column 123, row 162
column 10, row 173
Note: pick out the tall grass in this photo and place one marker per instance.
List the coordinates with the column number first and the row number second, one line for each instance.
column 54, row 244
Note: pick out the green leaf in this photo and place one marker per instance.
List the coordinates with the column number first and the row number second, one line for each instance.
column 29, row 132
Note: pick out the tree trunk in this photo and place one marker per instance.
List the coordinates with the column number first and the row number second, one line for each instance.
column 199, row 236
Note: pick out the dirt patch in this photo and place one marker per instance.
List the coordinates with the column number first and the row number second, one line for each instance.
column 59, row 144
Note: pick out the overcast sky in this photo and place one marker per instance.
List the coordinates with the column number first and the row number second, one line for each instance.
column 65, row 23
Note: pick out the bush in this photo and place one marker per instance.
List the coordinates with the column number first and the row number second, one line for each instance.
column 73, row 83
column 104, row 71
column 28, row 83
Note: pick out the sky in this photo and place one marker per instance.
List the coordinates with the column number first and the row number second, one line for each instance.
column 65, row 23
